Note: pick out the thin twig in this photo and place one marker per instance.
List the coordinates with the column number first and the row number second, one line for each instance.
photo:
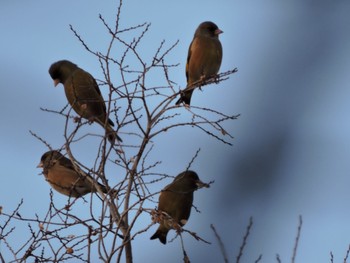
column 221, row 244
column 193, row 158
column 41, row 139
column 297, row 239
column 186, row 259
column 258, row 259
column 278, row 258
column 245, row 238
column 347, row 255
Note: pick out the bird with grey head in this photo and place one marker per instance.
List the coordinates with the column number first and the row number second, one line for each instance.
column 203, row 59
column 60, row 173
column 83, row 94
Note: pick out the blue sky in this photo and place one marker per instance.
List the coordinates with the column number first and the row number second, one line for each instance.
column 290, row 155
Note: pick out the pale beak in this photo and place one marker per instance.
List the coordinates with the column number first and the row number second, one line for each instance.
column 218, row 31
column 56, row 82
column 40, row 165
column 200, row 184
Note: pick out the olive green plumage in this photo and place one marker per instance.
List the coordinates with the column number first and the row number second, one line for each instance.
column 176, row 200
column 83, row 94
column 203, row 59
column 60, row 173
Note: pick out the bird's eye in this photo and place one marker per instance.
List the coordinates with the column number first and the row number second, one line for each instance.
column 211, row 28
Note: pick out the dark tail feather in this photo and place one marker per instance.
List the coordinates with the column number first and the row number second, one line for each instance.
column 111, row 122
column 161, row 235
column 112, row 134
column 103, row 188
column 185, row 98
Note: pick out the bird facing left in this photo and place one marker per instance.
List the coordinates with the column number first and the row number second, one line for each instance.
column 59, row 172
column 83, row 94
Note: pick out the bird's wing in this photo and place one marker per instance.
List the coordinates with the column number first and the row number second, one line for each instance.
column 99, row 93
column 188, row 59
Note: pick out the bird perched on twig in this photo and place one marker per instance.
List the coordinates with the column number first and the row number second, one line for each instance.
column 60, row 173
column 175, row 202
column 83, row 94
column 203, row 59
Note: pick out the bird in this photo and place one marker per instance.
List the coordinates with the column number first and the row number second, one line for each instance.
column 60, row 173
column 176, row 201
column 83, row 94
column 203, row 59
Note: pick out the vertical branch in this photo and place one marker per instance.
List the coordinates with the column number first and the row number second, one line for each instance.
column 297, row 239
column 143, row 113
column 245, row 238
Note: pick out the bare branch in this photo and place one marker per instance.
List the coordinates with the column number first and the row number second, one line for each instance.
column 245, row 238
column 125, row 175
column 221, row 244
column 297, row 239
column 258, row 259
column 347, row 255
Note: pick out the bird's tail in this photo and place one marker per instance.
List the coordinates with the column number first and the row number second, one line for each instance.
column 112, row 135
column 161, row 234
column 185, row 97
column 104, row 189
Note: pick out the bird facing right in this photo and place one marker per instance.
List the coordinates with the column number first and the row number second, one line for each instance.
column 176, row 201
column 203, row 59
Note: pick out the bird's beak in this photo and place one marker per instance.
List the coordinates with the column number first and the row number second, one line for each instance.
column 40, row 165
column 56, row 82
column 200, row 184
column 218, row 31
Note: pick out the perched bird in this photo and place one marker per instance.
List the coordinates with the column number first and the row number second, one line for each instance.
column 60, row 173
column 83, row 94
column 176, row 201
column 203, row 59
